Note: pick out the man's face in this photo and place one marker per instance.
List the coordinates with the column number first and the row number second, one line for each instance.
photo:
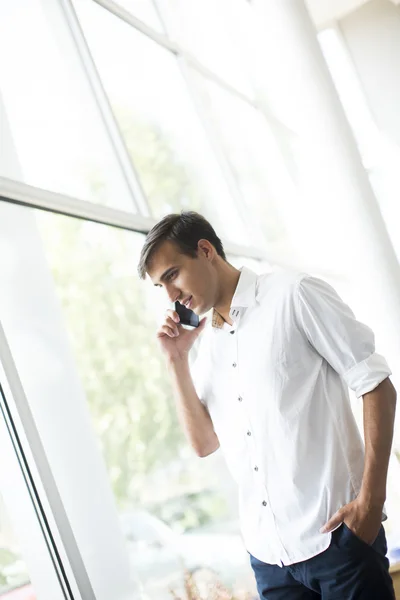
column 192, row 281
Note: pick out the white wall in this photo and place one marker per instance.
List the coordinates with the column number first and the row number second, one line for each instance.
column 372, row 34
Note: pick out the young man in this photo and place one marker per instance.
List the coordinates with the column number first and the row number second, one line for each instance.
column 270, row 386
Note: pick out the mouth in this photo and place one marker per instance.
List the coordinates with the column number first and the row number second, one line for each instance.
column 188, row 302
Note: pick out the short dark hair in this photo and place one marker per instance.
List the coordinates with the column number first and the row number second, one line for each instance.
column 185, row 230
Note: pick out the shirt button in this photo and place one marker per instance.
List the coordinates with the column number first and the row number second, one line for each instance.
column 249, row 433
column 233, row 364
column 256, row 468
column 264, row 503
column 232, row 332
column 240, row 398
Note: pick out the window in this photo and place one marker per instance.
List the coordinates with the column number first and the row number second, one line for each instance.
column 145, row 11
column 211, row 32
column 254, row 159
column 13, row 571
column 57, row 133
column 27, row 571
column 167, row 144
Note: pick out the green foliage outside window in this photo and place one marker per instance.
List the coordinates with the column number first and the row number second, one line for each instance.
column 112, row 334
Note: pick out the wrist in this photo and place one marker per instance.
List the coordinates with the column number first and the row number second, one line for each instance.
column 179, row 362
column 371, row 499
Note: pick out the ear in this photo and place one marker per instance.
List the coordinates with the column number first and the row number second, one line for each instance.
column 205, row 248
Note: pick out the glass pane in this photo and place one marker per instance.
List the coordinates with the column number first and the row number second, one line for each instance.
column 26, row 568
column 176, row 511
column 58, row 136
column 212, row 31
column 145, row 11
column 255, row 160
column 14, row 578
column 33, row 324
column 167, row 143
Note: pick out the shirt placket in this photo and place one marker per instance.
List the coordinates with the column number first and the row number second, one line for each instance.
column 258, row 473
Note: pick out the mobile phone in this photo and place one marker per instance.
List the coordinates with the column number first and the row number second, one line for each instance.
column 186, row 315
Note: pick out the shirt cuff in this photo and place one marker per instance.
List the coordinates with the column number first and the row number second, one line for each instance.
column 367, row 375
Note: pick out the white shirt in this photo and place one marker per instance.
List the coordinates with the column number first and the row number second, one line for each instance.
column 276, row 387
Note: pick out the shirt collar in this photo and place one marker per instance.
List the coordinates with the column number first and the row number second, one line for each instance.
column 244, row 296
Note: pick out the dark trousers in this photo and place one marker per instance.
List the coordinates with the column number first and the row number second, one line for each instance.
column 349, row 569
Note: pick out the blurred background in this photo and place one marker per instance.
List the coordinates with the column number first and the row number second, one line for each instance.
column 279, row 122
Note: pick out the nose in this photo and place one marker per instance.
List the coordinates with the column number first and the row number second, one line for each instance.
column 173, row 294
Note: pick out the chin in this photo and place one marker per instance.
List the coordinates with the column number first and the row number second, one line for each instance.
column 197, row 310
column 201, row 310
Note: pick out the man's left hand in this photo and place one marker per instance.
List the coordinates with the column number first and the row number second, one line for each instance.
column 363, row 518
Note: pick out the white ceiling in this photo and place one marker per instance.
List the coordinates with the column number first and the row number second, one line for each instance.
column 324, row 12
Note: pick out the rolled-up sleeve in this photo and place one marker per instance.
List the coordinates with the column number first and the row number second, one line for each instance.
column 345, row 343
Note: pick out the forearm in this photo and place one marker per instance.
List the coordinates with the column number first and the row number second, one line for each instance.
column 379, row 413
column 192, row 414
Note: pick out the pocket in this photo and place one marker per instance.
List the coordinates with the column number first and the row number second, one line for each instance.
column 350, row 534
column 379, row 544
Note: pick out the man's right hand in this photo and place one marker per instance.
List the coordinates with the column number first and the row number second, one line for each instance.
column 174, row 340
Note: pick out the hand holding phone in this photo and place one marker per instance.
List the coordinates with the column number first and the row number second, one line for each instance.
column 186, row 315
column 176, row 341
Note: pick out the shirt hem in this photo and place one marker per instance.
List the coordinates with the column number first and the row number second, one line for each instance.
column 297, row 558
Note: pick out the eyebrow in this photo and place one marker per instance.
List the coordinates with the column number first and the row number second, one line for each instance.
column 165, row 274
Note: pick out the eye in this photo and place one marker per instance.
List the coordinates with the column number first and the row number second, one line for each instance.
column 171, row 275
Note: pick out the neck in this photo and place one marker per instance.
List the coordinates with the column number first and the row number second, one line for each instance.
column 228, row 278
